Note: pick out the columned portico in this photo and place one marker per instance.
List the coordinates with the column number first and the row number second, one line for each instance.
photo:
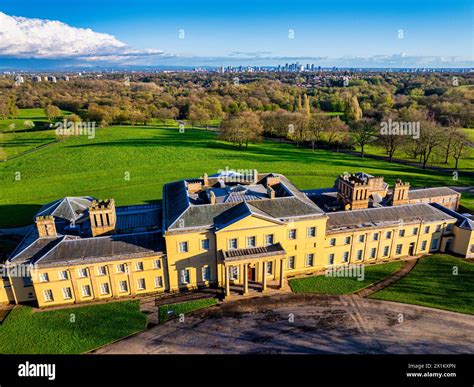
column 249, row 266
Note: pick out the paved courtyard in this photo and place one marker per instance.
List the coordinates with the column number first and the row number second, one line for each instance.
column 298, row 323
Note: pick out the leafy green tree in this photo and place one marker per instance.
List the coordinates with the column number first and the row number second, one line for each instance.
column 353, row 112
column 307, row 107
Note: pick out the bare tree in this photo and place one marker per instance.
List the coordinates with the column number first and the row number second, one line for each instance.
column 241, row 128
column 364, row 133
column 391, row 141
column 335, row 130
column 198, row 115
column 298, row 130
column 459, row 146
column 316, row 127
column 449, row 132
column 431, row 136
column 3, row 110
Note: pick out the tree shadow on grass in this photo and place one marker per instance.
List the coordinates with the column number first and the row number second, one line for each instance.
column 17, row 215
column 276, row 152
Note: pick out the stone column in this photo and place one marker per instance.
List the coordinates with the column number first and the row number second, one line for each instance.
column 264, row 274
column 246, row 278
column 227, row 282
column 131, row 278
column 241, row 273
column 75, row 289
column 92, row 276
column 282, row 272
column 111, row 277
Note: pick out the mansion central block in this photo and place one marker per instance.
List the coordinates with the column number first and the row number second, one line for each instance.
column 231, row 231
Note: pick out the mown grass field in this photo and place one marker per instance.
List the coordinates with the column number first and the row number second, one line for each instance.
column 131, row 164
column 16, row 143
column 36, row 114
column 69, row 331
column 467, row 202
column 183, row 308
column 433, row 283
column 13, row 143
column 343, row 285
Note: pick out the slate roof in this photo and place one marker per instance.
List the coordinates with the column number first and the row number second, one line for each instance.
column 29, row 251
column 253, row 252
column 175, row 202
column 238, row 212
column 180, row 214
column 424, row 193
column 464, row 221
column 139, row 217
column 384, row 216
column 68, row 209
column 240, row 193
column 74, row 251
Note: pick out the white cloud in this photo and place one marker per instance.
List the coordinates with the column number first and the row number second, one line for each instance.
column 22, row 37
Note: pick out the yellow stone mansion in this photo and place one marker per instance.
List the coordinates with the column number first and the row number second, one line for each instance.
column 238, row 232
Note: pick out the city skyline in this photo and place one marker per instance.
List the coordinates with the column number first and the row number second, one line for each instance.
column 57, row 36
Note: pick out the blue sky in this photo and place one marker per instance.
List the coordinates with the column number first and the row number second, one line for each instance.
column 260, row 29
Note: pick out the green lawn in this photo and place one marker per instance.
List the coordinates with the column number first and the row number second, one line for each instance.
column 470, row 133
column 340, row 285
column 184, row 307
column 467, row 201
column 154, row 155
column 53, row 332
column 14, row 144
column 432, row 283
column 25, row 115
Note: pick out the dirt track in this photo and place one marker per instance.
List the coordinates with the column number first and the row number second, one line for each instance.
column 322, row 324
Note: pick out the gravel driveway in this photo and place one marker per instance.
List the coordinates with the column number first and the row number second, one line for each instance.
column 298, row 323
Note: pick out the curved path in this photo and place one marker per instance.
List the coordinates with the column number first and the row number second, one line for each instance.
column 301, row 323
column 387, row 281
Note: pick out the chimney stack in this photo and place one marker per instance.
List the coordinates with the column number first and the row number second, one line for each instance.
column 212, row 197
column 255, row 176
column 271, row 192
column 206, row 180
column 400, row 193
column 102, row 216
column 46, row 226
column 273, row 180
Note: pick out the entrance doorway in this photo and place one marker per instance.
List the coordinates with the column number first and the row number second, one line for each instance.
column 448, row 245
column 411, row 249
column 251, row 274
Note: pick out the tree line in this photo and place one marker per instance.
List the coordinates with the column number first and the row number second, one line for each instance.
column 320, row 110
